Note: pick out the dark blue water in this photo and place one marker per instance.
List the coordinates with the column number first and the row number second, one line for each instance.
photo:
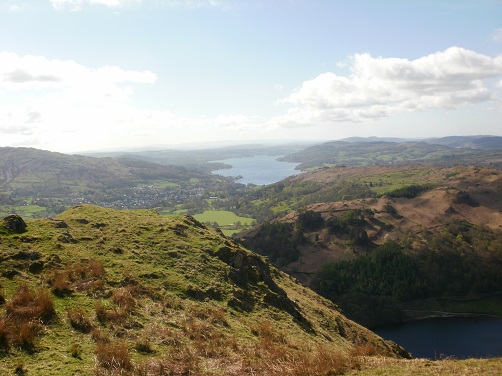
column 259, row 170
column 442, row 337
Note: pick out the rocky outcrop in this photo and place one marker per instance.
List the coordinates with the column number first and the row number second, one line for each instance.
column 15, row 223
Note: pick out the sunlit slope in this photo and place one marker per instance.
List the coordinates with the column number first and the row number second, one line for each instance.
column 131, row 292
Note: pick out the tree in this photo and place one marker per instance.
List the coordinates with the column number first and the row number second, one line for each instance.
column 309, row 220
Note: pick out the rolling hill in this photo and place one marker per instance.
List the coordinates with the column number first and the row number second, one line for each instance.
column 446, row 221
column 101, row 290
column 483, row 151
column 27, row 167
column 40, row 183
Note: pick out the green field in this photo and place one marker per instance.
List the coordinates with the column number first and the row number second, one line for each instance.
column 228, row 222
column 25, row 211
column 166, row 184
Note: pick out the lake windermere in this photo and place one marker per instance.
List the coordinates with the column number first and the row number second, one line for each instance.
column 459, row 337
column 259, row 170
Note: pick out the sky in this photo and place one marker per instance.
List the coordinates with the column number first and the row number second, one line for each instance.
column 82, row 75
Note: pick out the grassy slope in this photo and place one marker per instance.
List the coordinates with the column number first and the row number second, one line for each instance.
column 225, row 219
column 174, row 293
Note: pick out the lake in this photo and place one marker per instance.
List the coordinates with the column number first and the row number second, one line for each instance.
column 259, row 170
column 460, row 337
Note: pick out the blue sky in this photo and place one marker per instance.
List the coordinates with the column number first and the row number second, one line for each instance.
column 105, row 74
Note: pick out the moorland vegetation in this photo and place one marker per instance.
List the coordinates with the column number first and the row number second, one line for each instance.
column 102, row 291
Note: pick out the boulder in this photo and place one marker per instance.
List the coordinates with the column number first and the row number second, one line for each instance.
column 15, row 223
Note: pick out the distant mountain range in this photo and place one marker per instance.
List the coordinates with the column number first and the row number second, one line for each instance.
column 469, row 142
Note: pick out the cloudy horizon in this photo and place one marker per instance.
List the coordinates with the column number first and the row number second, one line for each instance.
column 107, row 74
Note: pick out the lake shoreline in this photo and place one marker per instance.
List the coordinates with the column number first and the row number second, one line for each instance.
column 441, row 314
column 257, row 170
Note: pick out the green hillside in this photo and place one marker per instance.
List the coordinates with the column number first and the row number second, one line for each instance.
column 104, row 291
column 380, row 153
column 38, row 183
column 434, row 234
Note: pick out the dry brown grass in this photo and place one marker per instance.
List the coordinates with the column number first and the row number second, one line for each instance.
column 212, row 315
column 183, row 361
column 25, row 313
column 113, row 315
column 123, row 298
column 79, row 322
column 267, row 333
column 86, row 276
column 27, row 305
column 366, row 349
column 98, row 336
column 322, row 361
column 113, row 356
column 60, row 284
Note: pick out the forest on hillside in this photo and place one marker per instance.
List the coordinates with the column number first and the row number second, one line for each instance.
column 464, row 261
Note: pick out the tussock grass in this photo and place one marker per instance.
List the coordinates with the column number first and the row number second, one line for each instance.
column 122, row 297
column 25, row 315
column 30, row 305
column 79, row 321
column 113, row 356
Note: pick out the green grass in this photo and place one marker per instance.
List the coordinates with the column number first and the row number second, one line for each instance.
column 203, row 305
column 389, row 181
column 222, row 218
column 199, row 299
column 26, row 211
column 229, row 223
column 166, row 185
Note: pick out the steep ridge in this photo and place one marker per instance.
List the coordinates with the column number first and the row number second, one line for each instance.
column 103, row 291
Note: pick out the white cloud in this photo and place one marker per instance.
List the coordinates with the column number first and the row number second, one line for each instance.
column 72, row 5
column 381, row 87
column 47, row 98
column 65, row 106
column 108, row 3
column 31, row 72
column 77, row 5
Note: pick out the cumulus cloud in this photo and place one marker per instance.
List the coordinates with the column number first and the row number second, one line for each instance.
column 72, row 5
column 21, row 76
column 25, row 72
column 66, row 106
column 76, row 5
column 45, row 98
column 380, row 87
